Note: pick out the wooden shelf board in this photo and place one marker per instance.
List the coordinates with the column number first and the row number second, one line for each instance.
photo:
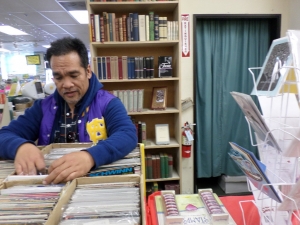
column 128, row 44
column 150, row 144
column 138, row 80
column 150, row 111
column 134, row 6
column 175, row 176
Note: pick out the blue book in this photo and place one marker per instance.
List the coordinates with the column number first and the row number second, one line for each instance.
column 99, row 61
column 104, row 68
column 129, row 67
column 135, row 29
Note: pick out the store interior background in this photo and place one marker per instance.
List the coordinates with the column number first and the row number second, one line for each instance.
column 46, row 20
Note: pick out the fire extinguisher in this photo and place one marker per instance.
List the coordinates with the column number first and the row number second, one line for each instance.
column 187, row 138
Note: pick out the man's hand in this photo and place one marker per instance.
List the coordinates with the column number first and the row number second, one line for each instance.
column 29, row 160
column 69, row 167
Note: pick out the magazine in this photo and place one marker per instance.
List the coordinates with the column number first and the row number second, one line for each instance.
column 274, row 70
column 254, row 170
column 255, row 119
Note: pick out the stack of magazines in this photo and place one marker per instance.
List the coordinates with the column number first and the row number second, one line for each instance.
column 103, row 203
column 28, row 204
column 6, row 168
column 130, row 164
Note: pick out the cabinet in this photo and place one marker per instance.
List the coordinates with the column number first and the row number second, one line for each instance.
column 172, row 114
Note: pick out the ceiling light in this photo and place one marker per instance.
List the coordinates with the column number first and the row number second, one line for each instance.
column 11, row 30
column 80, row 15
column 4, row 50
column 77, row 9
column 46, row 46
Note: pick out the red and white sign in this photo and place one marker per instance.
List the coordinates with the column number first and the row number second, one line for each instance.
column 185, row 35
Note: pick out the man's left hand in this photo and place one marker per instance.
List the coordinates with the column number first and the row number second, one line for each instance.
column 69, row 167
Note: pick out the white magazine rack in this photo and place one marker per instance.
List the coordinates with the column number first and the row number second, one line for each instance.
column 282, row 168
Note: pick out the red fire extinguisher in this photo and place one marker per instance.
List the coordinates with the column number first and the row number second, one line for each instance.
column 187, row 138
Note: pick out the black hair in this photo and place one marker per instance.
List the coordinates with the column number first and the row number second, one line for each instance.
column 67, row 45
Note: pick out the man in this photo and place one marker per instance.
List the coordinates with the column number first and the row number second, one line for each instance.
column 78, row 101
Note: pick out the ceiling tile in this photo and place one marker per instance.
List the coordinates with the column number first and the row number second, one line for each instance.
column 60, row 17
column 32, row 18
column 13, row 6
column 8, row 19
column 43, row 5
column 76, row 28
column 52, row 29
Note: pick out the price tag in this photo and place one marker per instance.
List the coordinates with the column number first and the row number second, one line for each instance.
column 189, row 135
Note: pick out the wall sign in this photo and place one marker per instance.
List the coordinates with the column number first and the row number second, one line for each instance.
column 185, row 35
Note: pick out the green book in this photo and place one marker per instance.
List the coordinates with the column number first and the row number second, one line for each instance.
column 151, row 26
column 166, row 164
column 162, row 165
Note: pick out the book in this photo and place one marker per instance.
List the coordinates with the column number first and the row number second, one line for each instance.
column 140, row 105
column 255, row 119
column 164, row 66
column 254, row 170
column 135, row 27
column 97, row 27
column 92, row 19
column 151, row 26
column 142, row 27
column 170, row 165
column 144, row 133
column 156, row 27
column 273, row 72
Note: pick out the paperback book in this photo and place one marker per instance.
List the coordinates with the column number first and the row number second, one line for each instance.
column 164, row 66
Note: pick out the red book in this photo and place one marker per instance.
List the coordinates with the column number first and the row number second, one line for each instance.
column 108, row 69
column 120, row 68
column 92, row 20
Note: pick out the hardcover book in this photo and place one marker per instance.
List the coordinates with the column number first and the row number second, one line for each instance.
column 164, row 66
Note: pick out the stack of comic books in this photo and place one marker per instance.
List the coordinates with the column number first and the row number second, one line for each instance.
column 27, row 202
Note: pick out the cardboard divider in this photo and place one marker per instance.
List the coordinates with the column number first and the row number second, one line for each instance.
column 56, row 214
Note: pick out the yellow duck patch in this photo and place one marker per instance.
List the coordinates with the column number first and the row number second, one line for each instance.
column 96, row 130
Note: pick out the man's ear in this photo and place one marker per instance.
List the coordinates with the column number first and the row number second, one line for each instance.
column 89, row 71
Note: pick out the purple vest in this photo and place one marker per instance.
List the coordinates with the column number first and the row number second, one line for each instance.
column 95, row 110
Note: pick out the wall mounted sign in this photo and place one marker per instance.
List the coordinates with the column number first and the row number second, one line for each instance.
column 185, row 35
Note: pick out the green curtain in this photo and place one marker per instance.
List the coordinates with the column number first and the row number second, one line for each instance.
column 225, row 49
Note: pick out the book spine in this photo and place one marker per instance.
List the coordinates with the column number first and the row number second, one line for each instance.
column 147, row 27
column 124, row 26
column 120, row 70
column 162, row 167
column 135, row 100
column 144, row 133
column 166, row 165
column 154, row 167
column 92, row 20
column 156, row 28
column 129, row 28
column 140, row 134
column 106, row 26
column 170, row 165
column 160, row 28
column 142, row 27
column 120, row 31
column 130, row 100
column 158, row 166
column 144, row 72
column 124, row 67
column 135, row 29
column 97, row 27
column 125, row 102
column 108, row 68
column 136, row 67
column 140, row 100
column 104, row 68
column 151, row 26
column 99, row 61
column 151, row 67
column 110, row 27
column 95, row 65
column 165, row 28
column 102, row 37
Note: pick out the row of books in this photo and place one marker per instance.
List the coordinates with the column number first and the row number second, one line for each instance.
column 127, row 67
column 159, row 166
column 133, row 100
column 134, row 27
column 123, row 67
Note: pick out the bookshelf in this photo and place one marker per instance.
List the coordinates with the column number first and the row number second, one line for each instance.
column 172, row 114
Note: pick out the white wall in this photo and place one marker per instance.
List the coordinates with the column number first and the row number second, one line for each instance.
column 294, row 20
column 283, row 7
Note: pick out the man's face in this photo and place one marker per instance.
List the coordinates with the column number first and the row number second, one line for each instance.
column 70, row 78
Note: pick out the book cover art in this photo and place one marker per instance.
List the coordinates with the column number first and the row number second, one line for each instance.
column 255, row 119
column 254, row 170
column 273, row 72
column 191, row 208
column 164, row 66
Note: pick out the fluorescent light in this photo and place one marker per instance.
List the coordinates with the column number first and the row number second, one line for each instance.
column 11, row 30
column 4, row 50
column 80, row 15
column 46, row 46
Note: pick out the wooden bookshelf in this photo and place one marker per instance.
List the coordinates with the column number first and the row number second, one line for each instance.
column 172, row 114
